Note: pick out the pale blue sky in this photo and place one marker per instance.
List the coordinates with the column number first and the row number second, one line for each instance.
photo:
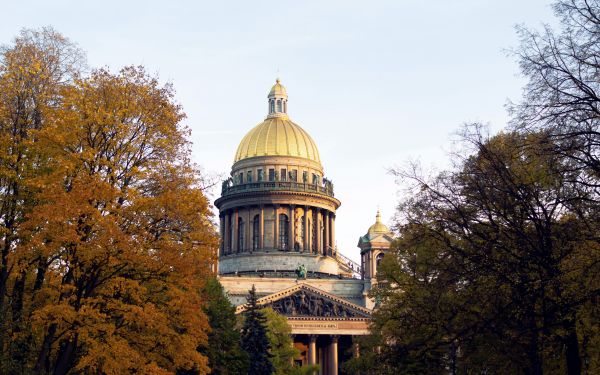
column 376, row 83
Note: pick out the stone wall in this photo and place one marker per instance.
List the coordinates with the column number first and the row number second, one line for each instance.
column 238, row 287
column 276, row 261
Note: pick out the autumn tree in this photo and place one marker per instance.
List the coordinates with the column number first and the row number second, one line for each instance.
column 254, row 338
column 225, row 355
column 107, row 240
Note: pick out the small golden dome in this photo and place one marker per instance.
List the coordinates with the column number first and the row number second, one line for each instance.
column 277, row 136
column 378, row 227
column 278, row 90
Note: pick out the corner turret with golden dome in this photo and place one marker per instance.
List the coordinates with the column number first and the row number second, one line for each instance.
column 373, row 247
column 277, row 210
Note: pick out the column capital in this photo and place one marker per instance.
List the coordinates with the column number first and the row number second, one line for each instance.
column 334, row 338
column 313, row 338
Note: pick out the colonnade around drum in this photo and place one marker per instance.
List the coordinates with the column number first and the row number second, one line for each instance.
column 299, row 228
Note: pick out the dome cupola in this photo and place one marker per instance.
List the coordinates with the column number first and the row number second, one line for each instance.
column 277, row 135
column 278, row 100
column 378, row 227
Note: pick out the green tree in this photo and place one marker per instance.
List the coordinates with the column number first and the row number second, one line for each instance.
column 279, row 335
column 254, row 338
column 225, row 356
column 493, row 266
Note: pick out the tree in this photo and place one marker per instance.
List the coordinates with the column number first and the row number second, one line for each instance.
column 561, row 96
column 225, row 356
column 493, row 266
column 254, row 337
column 279, row 335
column 114, row 240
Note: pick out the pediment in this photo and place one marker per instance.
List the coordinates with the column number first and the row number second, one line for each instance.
column 303, row 300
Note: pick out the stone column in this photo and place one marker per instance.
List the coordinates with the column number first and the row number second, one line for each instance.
column 326, row 246
column 317, row 228
column 222, row 230
column 356, row 350
column 306, row 230
column 312, row 350
column 333, row 355
column 292, row 358
column 235, row 232
column 276, row 231
column 226, row 239
column 249, row 225
column 333, row 231
column 292, row 228
column 261, row 229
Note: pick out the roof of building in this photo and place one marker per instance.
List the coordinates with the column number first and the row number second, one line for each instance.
column 277, row 135
column 278, row 89
column 378, row 227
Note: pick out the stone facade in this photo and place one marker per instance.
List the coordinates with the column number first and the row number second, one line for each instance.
column 277, row 223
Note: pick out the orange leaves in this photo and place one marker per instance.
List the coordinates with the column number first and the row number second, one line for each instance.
column 115, row 241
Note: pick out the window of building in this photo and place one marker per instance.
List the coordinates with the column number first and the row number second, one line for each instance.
column 249, row 176
column 272, row 108
column 241, row 237
column 279, row 106
column 294, row 175
column 241, row 178
column 255, row 232
column 283, row 174
column 259, row 175
column 305, row 176
column 315, row 179
column 284, row 227
column 271, row 174
column 378, row 260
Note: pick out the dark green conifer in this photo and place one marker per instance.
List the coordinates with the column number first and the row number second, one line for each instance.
column 254, row 338
column 225, row 355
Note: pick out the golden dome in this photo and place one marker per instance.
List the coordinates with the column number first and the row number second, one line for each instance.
column 277, row 136
column 378, row 227
column 278, row 89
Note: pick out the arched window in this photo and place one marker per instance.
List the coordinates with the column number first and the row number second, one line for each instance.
column 279, row 106
column 241, row 235
column 255, row 232
column 378, row 259
column 284, row 228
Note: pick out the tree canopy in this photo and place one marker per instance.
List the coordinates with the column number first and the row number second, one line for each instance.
column 497, row 261
column 106, row 235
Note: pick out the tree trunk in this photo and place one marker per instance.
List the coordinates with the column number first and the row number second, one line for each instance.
column 572, row 348
column 65, row 357
column 40, row 364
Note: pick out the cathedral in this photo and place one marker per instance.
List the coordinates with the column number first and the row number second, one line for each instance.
column 277, row 214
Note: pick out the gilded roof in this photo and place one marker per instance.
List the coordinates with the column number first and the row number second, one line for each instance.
column 378, row 227
column 277, row 136
column 278, row 89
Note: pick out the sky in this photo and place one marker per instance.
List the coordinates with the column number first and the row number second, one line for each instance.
column 377, row 84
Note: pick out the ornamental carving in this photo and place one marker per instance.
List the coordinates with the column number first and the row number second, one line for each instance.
column 304, row 303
